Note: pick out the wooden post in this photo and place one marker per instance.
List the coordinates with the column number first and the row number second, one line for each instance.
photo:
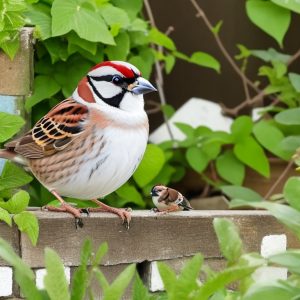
column 16, row 77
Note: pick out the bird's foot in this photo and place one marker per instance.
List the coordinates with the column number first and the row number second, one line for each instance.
column 154, row 209
column 123, row 213
column 65, row 207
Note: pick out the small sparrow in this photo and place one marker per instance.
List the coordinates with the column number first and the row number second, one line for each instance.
column 90, row 144
column 167, row 200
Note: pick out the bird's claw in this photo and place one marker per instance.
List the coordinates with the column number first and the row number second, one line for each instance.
column 85, row 211
column 78, row 222
column 154, row 209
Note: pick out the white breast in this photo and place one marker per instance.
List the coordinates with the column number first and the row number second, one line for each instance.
column 117, row 161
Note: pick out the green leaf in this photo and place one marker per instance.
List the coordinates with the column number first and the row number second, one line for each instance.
column 275, row 291
column 70, row 73
column 74, row 39
column 170, row 63
column 115, row 16
column 241, row 127
column 57, row 49
column 23, row 275
column 247, row 265
column 121, row 50
column 205, row 60
column 187, row 281
column 290, row 143
column 17, row 203
column 169, row 110
column 44, row 88
column 217, row 27
column 86, row 252
column 139, row 291
column 291, row 192
column 295, row 81
column 9, row 125
column 270, row 137
column 79, row 283
column 11, row 47
column 283, row 213
column 197, row 159
column 41, row 20
column 293, row 5
column 131, row 194
column 289, row 259
column 143, row 61
column 27, row 222
column 159, row 38
column 102, row 250
column 13, row 177
column 240, row 192
column 119, row 285
column 102, row 281
column 168, row 276
column 271, row 55
column 229, row 240
column 289, row 117
column 186, row 129
column 251, row 153
column 55, row 280
column 5, row 216
column 82, row 18
column 150, row 165
column 230, row 168
column 244, row 52
column 278, row 18
column 132, row 7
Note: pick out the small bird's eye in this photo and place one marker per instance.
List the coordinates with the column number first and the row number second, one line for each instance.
column 117, row 79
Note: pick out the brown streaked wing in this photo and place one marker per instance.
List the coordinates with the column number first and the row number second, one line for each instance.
column 53, row 132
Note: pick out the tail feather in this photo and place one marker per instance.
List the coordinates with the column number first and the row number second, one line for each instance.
column 6, row 154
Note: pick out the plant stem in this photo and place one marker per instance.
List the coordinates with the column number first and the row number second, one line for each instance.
column 201, row 14
column 294, row 57
column 158, row 68
column 279, row 179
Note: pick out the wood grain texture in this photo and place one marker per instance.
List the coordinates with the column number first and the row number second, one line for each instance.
column 16, row 76
column 150, row 237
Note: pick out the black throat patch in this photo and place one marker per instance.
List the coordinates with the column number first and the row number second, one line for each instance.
column 113, row 101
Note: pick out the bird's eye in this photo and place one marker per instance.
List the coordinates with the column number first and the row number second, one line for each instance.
column 117, row 79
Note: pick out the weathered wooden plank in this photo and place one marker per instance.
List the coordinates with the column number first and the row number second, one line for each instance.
column 16, row 76
column 151, row 237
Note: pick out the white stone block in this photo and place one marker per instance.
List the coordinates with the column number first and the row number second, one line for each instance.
column 6, row 281
column 271, row 245
column 194, row 112
column 156, row 283
column 40, row 275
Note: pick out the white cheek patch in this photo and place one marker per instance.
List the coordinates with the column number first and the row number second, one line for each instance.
column 107, row 89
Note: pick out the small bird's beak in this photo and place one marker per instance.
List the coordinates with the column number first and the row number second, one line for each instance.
column 142, row 86
column 154, row 193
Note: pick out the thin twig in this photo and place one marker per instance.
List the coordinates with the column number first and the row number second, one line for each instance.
column 257, row 98
column 279, row 179
column 158, row 68
column 294, row 57
column 156, row 107
column 201, row 14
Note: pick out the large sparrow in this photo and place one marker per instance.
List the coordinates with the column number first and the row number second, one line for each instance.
column 167, row 200
column 90, row 144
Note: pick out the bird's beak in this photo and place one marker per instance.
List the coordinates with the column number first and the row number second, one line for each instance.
column 153, row 193
column 142, row 86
